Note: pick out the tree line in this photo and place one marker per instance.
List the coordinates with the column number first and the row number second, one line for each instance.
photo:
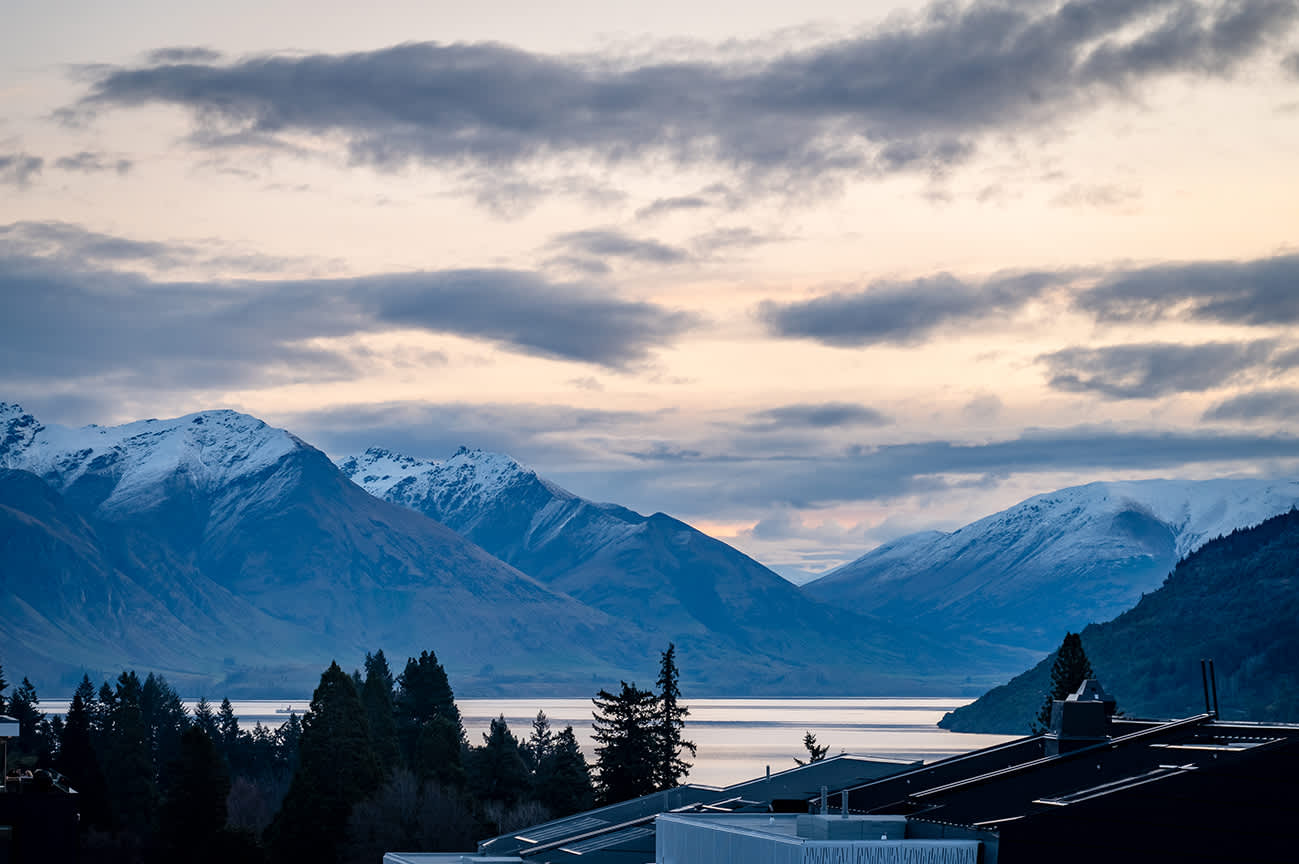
column 379, row 762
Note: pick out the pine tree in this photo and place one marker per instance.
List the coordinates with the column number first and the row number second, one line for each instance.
column 815, row 752
column 193, row 815
column 540, row 742
column 166, row 718
column 336, row 769
column 4, row 685
column 428, row 721
column 628, row 746
column 205, row 718
column 1069, row 670
column 496, row 770
column 380, row 710
column 130, row 762
column 77, row 759
column 34, row 735
column 669, row 767
column 562, row 783
column 227, row 733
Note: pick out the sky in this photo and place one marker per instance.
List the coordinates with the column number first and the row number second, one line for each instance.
column 808, row 278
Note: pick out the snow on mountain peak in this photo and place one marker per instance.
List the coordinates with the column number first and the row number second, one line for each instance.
column 210, row 448
column 469, row 478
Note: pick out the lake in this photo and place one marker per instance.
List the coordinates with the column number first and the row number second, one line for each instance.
column 737, row 738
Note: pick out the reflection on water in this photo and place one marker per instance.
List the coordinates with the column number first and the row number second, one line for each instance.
column 737, row 738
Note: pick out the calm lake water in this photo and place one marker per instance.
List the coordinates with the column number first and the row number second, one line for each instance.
column 737, row 738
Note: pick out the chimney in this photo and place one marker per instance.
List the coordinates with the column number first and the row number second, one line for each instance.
column 1080, row 720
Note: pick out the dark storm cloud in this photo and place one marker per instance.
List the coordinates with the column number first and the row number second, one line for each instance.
column 900, row 312
column 18, row 169
column 1276, row 404
column 1259, row 292
column 63, row 321
column 914, row 95
column 824, row 415
column 87, row 162
column 1148, row 371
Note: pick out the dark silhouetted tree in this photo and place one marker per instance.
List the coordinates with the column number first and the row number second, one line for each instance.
column 562, row 783
column 77, row 759
column 336, row 769
column 205, row 718
column 129, row 763
column 669, row 767
column 380, row 710
column 815, row 752
column 35, row 738
column 627, row 743
column 496, row 770
column 539, row 743
column 193, row 815
column 1069, row 670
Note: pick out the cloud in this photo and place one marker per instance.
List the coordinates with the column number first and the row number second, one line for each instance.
column 900, row 312
column 434, row 430
column 67, row 319
column 917, row 94
column 1258, row 292
column 1151, row 370
column 18, row 169
column 88, row 162
column 660, row 206
column 825, row 415
column 184, row 54
column 605, row 243
column 1275, row 404
column 1292, row 64
column 77, row 246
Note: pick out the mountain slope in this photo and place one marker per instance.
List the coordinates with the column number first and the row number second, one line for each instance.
column 1235, row 600
column 232, row 506
column 721, row 607
column 1022, row 577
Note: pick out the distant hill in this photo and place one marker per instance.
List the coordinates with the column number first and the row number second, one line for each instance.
column 754, row 630
column 1017, row 580
column 1235, row 600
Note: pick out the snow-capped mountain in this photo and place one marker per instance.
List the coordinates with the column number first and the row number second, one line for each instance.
column 253, row 548
column 656, row 571
column 1057, row 561
column 120, row 469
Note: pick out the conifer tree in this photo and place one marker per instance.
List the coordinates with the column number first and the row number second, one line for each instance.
column 628, row 745
column 129, row 761
column 496, row 770
column 77, row 759
column 34, row 735
column 336, row 769
column 815, row 752
column 670, row 768
column 166, row 718
column 193, row 816
column 1070, row 669
column 562, row 783
column 540, row 742
column 205, row 718
column 227, row 733
column 4, row 685
column 380, row 710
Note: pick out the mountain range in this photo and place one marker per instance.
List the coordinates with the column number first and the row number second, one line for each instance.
column 1235, row 601
column 1017, row 580
column 224, row 552
column 219, row 550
